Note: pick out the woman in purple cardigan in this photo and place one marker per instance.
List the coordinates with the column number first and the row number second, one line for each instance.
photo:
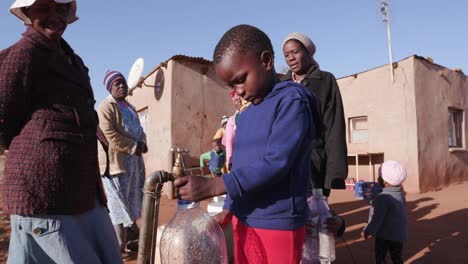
column 51, row 188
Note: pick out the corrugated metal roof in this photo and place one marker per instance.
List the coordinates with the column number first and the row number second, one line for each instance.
column 179, row 57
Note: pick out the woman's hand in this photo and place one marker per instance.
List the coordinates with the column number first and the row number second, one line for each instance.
column 141, row 148
column 197, row 188
column 223, row 218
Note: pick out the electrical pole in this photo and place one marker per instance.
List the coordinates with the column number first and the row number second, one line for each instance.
column 384, row 10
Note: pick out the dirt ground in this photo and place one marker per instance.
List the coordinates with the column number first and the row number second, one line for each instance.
column 438, row 232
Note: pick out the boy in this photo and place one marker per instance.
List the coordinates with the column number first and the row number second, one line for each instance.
column 217, row 158
column 267, row 187
column 387, row 218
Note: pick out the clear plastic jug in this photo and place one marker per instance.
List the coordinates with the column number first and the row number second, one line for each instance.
column 192, row 237
column 319, row 244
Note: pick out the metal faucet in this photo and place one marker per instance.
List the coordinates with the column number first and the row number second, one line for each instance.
column 178, row 170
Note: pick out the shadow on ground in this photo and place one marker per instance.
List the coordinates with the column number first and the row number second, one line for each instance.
column 430, row 240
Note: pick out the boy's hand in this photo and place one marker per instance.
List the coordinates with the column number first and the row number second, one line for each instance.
column 333, row 223
column 197, row 188
column 223, row 218
column 366, row 235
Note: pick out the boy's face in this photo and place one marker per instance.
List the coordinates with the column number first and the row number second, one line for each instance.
column 249, row 74
column 49, row 18
column 217, row 146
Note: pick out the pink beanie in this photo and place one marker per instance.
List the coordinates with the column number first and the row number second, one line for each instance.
column 392, row 172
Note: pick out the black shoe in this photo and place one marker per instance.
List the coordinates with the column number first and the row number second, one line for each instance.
column 132, row 245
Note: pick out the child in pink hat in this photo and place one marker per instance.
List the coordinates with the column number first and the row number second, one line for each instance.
column 387, row 217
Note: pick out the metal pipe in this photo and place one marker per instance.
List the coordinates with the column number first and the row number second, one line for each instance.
column 150, row 212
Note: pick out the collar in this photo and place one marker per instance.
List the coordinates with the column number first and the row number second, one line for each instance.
column 32, row 35
column 293, row 78
column 312, row 73
column 112, row 100
column 393, row 189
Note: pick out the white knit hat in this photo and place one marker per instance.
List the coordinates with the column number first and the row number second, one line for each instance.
column 392, row 172
column 224, row 120
column 16, row 10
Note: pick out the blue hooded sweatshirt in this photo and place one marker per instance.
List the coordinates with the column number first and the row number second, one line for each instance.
column 267, row 186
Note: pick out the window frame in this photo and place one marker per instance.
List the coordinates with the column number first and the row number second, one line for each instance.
column 145, row 125
column 351, row 123
column 459, row 144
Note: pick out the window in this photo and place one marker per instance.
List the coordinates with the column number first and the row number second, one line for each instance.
column 455, row 124
column 358, row 129
column 143, row 116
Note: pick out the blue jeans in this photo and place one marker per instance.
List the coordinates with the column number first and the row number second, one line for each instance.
column 85, row 238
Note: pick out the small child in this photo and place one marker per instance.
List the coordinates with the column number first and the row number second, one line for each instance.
column 387, row 217
column 222, row 130
column 217, row 158
column 267, row 186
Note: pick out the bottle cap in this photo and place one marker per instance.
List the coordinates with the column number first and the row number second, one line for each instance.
column 317, row 192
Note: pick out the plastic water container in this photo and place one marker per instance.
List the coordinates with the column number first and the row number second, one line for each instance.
column 367, row 190
column 358, row 194
column 157, row 257
column 192, row 236
column 214, row 208
column 319, row 244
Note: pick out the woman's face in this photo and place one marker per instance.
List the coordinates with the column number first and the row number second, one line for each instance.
column 119, row 89
column 49, row 18
column 297, row 57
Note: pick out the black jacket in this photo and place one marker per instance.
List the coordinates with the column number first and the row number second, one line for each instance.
column 329, row 155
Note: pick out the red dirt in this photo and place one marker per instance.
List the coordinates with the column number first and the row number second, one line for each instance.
column 438, row 232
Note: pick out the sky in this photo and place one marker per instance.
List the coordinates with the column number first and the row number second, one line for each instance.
column 350, row 35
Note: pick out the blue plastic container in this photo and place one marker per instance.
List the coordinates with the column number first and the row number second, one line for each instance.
column 366, row 190
column 358, row 190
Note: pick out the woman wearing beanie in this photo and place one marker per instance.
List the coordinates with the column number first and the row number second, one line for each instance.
column 329, row 151
column 119, row 122
column 387, row 217
column 52, row 188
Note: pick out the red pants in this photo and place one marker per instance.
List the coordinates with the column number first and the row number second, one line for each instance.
column 264, row 246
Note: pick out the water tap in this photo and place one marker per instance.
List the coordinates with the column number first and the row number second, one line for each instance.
column 178, row 168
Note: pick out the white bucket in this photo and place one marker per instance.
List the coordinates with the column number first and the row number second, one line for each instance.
column 214, row 208
column 219, row 199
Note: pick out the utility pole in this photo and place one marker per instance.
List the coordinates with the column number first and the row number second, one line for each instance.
column 384, row 10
